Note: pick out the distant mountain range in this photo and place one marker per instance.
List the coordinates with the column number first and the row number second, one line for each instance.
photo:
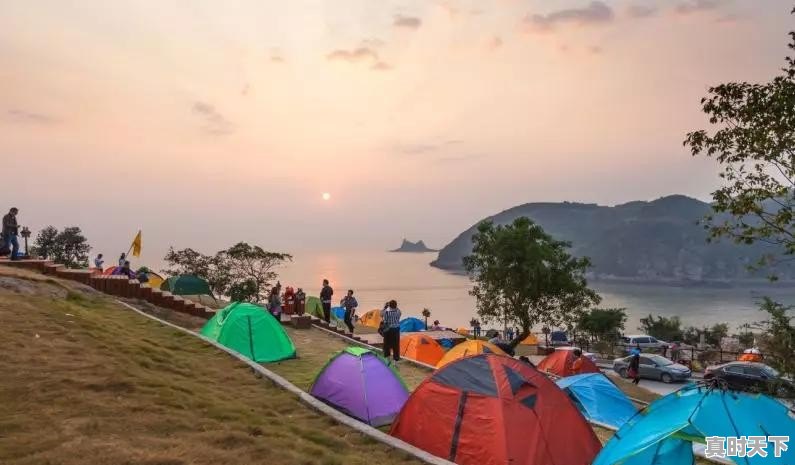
column 658, row 241
column 408, row 246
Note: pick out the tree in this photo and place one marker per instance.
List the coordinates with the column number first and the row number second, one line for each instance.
column 523, row 276
column 778, row 342
column 755, row 145
column 603, row 324
column 44, row 245
column 254, row 266
column 68, row 247
column 660, row 327
column 210, row 268
column 426, row 314
column 717, row 332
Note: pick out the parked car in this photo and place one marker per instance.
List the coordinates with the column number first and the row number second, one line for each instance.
column 752, row 377
column 654, row 367
column 643, row 341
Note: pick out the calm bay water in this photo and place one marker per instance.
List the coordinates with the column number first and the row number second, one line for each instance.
column 379, row 276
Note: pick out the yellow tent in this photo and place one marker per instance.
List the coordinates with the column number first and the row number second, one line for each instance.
column 463, row 331
column 371, row 318
column 530, row 340
column 465, row 349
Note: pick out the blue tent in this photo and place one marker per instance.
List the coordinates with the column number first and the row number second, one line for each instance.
column 411, row 325
column 598, row 399
column 446, row 343
column 338, row 313
column 664, row 432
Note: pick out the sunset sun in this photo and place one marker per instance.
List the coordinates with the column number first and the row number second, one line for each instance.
column 326, row 196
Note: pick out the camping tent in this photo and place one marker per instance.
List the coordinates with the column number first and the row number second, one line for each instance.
column 751, row 355
column 411, row 325
column 186, row 285
column 664, row 432
column 492, row 410
column 251, row 331
column 559, row 363
column 314, row 307
column 421, row 348
column 463, row 331
column 338, row 314
column 371, row 318
column 470, row 347
column 359, row 383
column 530, row 340
column 598, row 399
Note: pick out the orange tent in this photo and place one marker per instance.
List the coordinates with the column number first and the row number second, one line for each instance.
column 530, row 340
column 465, row 349
column 750, row 357
column 493, row 410
column 421, row 348
column 463, row 331
column 559, row 363
column 371, row 318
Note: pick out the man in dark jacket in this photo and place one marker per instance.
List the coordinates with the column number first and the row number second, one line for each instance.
column 325, row 299
column 10, row 231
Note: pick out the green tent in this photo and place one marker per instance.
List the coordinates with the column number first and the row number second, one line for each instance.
column 186, row 285
column 314, row 307
column 251, row 331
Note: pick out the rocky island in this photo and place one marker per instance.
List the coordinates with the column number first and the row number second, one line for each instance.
column 413, row 247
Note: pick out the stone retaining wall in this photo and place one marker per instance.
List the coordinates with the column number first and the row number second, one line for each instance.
column 119, row 286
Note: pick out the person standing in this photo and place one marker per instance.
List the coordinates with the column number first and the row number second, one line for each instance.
column 349, row 303
column 98, row 262
column 325, row 299
column 10, row 231
column 122, row 259
column 275, row 304
column 633, row 371
column 390, row 318
column 576, row 364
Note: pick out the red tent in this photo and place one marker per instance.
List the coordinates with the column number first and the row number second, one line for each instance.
column 560, row 363
column 494, row 410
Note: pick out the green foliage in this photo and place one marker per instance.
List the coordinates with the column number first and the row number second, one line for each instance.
column 666, row 328
column 778, row 342
column 603, row 324
column 243, row 271
column 717, row 332
column 68, row 247
column 243, row 291
column 755, row 145
column 523, row 277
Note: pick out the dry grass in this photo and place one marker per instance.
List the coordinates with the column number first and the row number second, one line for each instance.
column 86, row 381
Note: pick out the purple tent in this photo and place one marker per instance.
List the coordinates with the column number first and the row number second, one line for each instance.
column 359, row 383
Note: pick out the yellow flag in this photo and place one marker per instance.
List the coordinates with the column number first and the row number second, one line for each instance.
column 136, row 245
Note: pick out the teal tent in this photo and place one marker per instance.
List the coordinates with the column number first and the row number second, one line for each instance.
column 598, row 399
column 664, row 432
column 251, row 331
column 186, row 285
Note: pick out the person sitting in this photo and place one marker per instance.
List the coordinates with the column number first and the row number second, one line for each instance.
column 126, row 271
column 436, row 326
column 98, row 262
column 122, row 259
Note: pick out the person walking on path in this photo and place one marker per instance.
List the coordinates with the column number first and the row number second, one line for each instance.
column 10, row 231
column 633, row 371
column 349, row 303
column 390, row 318
column 98, row 262
column 325, row 299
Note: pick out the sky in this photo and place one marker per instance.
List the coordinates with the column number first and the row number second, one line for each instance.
column 204, row 123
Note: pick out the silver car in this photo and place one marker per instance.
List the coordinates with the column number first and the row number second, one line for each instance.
column 654, row 367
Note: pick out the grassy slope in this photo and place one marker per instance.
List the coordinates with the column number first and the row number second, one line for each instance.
column 86, row 381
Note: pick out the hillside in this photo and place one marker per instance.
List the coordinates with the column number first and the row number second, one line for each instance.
column 658, row 241
column 88, row 381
